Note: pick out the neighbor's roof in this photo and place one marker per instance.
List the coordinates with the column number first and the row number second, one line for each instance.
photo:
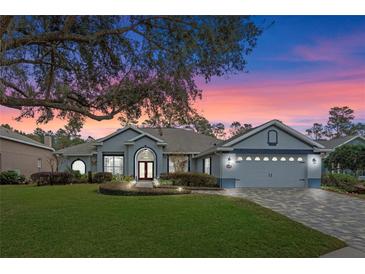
column 338, row 141
column 8, row 134
column 177, row 140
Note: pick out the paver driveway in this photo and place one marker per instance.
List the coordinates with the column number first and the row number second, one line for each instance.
column 334, row 214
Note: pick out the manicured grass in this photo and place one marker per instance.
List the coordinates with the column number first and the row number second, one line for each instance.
column 76, row 221
column 341, row 191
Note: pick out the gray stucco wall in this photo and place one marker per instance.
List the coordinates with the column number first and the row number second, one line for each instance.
column 259, row 141
column 66, row 162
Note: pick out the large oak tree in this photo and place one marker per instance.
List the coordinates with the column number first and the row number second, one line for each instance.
column 103, row 67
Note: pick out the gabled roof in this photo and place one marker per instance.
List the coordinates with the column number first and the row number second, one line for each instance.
column 8, row 134
column 279, row 125
column 182, row 140
column 238, row 138
column 175, row 140
column 336, row 142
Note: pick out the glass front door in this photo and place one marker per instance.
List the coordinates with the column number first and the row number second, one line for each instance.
column 145, row 170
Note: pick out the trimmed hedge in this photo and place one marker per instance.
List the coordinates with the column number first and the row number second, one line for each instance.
column 52, row 178
column 11, row 177
column 342, row 181
column 102, row 177
column 190, row 179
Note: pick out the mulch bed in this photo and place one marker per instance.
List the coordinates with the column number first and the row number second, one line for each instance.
column 190, row 187
column 129, row 190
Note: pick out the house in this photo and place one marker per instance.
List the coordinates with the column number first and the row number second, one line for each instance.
column 270, row 155
column 331, row 145
column 24, row 155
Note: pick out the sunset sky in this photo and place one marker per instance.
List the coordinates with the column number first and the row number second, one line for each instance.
column 302, row 66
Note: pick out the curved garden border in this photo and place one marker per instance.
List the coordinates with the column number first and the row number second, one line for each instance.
column 130, row 190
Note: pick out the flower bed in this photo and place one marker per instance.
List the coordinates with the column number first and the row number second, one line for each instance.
column 190, row 187
column 128, row 189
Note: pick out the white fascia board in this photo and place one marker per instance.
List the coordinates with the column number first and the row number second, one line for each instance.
column 27, row 143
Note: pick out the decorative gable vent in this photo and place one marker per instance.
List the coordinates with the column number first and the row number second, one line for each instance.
column 272, row 137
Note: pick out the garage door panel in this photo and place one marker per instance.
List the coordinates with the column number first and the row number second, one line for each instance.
column 271, row 173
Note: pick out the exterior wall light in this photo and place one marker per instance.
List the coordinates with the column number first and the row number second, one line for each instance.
column 283, row 159
column 248, row 158
column 300, row 159
column 257, row 158
column 266, row 159
column 179, row 189
column 274, row 159
column 239, row 159
column 291, row 159
column 229, row 163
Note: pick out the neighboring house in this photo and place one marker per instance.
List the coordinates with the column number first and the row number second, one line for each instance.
column 270, row 155
column 331, row 145
column 24, row 155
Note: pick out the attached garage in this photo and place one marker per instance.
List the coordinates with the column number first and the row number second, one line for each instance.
column 271, row 171
column 271, row 155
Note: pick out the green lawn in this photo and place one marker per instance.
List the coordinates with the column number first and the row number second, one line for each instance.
column 76, row 221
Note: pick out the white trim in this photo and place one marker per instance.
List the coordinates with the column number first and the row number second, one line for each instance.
column 27, row 143
column 280, row 126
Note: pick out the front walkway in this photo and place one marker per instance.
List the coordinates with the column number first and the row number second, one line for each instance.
column 331, row 213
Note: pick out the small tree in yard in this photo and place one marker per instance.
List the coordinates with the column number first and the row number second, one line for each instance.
column 350, row 157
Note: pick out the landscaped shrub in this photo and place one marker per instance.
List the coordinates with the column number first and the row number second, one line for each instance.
column 11, row 177
column 102, row 177
column 51, row 178
column 190, row 179
column 121, row 179
column 342, row 181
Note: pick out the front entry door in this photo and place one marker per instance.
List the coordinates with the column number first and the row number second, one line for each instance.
column 145, row 170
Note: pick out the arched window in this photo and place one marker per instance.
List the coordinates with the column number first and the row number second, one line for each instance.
column 79, row 165
column 272, row 137
column 145, row 155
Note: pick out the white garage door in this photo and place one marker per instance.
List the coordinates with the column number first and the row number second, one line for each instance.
column 271, row 171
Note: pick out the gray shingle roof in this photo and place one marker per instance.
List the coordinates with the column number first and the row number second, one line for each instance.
column 81, row 149
column 9, row 134
column 177, row 139
column 335, row 142
column 182, row 140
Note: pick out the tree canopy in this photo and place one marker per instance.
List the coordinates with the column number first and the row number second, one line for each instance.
column 340, row 123
column 101, row 67
column 350, row 157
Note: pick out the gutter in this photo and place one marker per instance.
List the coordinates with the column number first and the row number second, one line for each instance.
column 27, row 143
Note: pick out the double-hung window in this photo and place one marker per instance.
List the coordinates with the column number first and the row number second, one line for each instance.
column 113, row 164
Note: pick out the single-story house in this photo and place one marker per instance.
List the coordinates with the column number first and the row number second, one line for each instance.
column 270, row 155
column 25, row 155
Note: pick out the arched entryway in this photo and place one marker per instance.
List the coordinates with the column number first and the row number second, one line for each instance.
column 145, row 164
